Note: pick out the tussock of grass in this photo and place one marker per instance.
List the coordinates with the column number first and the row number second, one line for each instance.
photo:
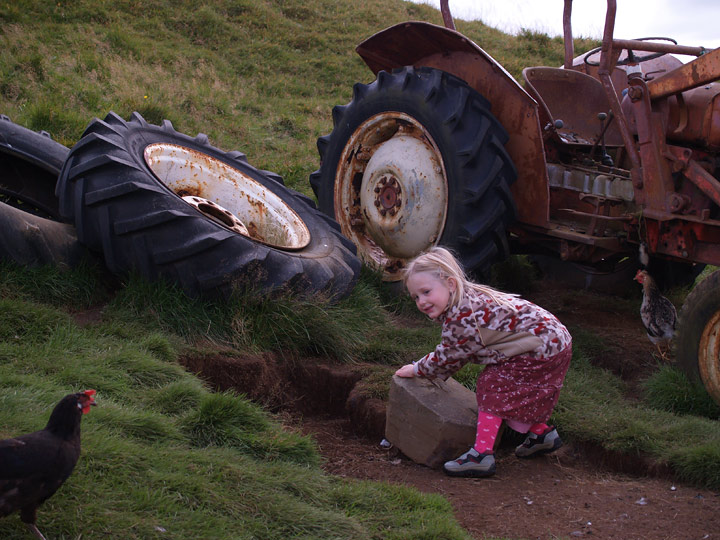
column 670, row 390
column 141, row 307
column 177, row 397
column 46, row 284
column 160, row 347
column 28, row 322
column 127, row 422
column 389, row 344
column 249, row 321
column 592, row 409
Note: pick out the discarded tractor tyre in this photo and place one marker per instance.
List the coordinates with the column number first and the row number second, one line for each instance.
column 30, row 162
column 30, row 240
column 32, row 234
column 170, row 206
column 698, row 335
column 417, row 159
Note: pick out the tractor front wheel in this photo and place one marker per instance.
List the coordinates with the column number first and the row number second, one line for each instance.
column 416, row 159
column 698, row 341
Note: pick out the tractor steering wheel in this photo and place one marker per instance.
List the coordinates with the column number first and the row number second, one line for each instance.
column 631, row 57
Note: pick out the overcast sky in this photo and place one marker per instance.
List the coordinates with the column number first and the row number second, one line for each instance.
column 690, row 22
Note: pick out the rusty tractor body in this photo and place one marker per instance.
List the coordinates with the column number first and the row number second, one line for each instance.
column 617, row 149
column 659, row 125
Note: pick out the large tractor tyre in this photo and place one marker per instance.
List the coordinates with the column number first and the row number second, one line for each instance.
column 30, row 162
column 614, row 276
column 698, row 336
column 31, row 240
column 170, row 206
column 669, row 274
column 416, row 159
column 32, row 234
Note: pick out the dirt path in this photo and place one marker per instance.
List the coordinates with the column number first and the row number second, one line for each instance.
column 558, row 496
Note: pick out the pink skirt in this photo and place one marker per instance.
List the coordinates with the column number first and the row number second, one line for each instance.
column 523, row 388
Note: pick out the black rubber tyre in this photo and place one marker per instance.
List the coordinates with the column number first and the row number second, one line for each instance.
column 697, row 346
column 611, row 278
column 669, row 274
column 452, row 128
column 123, row 186
column 615, row 276
column 30, row 162
column 31, row 240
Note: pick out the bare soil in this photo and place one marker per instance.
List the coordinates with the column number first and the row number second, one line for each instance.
column 573, row 493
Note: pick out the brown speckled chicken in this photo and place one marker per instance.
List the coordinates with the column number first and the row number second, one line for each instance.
column 658, row 314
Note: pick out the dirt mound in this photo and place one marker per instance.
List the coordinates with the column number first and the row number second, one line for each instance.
column 302, row 387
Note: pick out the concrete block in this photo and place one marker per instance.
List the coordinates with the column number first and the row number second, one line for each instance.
column 430, row 422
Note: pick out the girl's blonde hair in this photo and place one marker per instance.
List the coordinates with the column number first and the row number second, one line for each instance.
column 441, row 263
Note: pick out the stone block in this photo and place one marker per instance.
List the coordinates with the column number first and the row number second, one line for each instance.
column 430, row 422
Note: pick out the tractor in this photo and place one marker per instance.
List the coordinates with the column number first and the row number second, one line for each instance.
column 614, row 154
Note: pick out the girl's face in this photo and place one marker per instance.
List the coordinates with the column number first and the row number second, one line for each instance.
column 431, row 294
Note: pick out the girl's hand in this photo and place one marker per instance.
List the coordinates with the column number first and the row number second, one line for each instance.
column 407, row 370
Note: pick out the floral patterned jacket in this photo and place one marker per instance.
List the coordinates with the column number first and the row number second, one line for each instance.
column 481, row 331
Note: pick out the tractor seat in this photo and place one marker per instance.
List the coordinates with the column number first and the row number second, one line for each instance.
column 576, row 99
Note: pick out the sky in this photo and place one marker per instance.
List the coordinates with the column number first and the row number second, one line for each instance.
column 690, row 22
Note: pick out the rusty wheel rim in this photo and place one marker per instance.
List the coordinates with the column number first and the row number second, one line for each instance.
column 391, row 193
column 227, row 196
column 709, row 356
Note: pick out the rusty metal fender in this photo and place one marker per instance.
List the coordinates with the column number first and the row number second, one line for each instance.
column 417, row 43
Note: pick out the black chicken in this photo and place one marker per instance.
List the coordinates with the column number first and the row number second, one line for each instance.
column 34, row 466
column 658, row 314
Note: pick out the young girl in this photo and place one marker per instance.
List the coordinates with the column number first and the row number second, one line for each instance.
column 526, row 349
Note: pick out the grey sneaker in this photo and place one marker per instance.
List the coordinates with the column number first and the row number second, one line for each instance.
column 536, row 445
column 471, row 464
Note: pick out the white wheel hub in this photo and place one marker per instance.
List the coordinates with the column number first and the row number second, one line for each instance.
column 403, row 196
column 227, row 196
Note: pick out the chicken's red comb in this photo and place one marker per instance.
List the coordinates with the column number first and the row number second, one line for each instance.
column 90, row 394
